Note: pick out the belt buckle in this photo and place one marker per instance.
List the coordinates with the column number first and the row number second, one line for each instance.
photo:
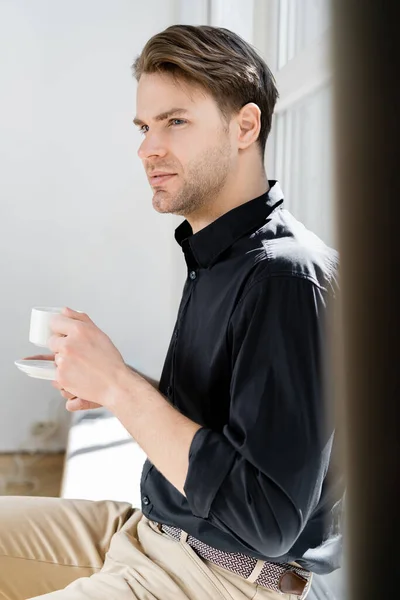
column 307, row 587
column 292, row 582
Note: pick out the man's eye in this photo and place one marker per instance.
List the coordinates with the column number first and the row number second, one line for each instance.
column 143, row 129
column 177, row 122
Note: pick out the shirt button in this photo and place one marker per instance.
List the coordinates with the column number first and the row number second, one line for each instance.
column 192, row 275
column 146, row 500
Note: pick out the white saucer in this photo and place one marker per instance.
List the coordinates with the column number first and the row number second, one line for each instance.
column 40, row 369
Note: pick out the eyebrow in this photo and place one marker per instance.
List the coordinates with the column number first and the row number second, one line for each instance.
column 162, row 116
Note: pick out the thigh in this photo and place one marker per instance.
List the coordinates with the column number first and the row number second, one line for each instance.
column 141, row 563
column 144, row 564
column 46, row 543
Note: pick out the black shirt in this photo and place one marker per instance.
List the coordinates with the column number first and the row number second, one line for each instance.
column 246, row 362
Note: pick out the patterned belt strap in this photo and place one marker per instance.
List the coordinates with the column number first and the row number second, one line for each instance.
column 282, row 578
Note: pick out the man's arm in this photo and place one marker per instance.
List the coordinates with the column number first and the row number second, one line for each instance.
column 150, row 380
column 163, row 433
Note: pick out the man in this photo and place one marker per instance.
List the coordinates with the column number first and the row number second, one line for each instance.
column 238, row 500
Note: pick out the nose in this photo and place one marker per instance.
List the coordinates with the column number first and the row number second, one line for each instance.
column 151, row 146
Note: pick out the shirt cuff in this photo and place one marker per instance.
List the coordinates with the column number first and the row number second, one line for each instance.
column 211, row 458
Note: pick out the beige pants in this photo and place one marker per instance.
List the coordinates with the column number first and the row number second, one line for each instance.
column 61, row 549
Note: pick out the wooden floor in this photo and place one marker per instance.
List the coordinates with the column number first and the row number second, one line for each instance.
column 43, row 474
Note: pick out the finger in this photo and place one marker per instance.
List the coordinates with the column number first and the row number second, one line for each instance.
column 67, row 395
column 61, row 324
column 64, row 393
column 77, row 315
column 57, row 343
column 78, row 404
column 73, row 405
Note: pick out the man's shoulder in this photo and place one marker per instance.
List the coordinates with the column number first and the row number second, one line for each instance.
column 283, row 246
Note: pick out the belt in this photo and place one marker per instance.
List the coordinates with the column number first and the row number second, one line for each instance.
column 282, row 578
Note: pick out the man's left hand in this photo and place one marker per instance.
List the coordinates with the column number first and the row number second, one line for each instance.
column 88, row 364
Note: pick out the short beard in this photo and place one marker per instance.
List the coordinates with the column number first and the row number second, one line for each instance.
column 206, row 177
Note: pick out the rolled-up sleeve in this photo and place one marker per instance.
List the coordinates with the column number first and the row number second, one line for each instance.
column 261, row 478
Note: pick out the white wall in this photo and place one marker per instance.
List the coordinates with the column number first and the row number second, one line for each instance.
column 76, row 223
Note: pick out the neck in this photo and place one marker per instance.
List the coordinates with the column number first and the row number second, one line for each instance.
column 238, row 190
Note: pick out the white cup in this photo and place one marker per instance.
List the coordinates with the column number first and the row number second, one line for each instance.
column 40, row 330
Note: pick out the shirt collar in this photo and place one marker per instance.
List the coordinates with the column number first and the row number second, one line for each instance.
column 206, row 245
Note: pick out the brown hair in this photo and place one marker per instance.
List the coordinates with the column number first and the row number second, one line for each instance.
column 219, row 61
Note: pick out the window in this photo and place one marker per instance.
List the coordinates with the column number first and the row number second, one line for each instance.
column 294, row 39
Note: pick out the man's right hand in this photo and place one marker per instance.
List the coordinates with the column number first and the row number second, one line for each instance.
column 69, row 396
column 63, row 392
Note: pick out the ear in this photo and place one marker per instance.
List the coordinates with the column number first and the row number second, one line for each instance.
column 249, row 125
